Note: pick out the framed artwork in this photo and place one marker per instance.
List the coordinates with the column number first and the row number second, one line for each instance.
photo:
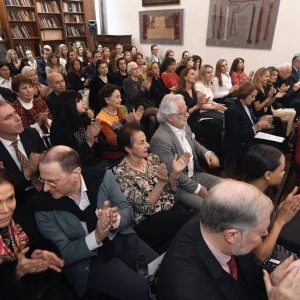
column 159, row 2
column 161, row 26
column 242, row 23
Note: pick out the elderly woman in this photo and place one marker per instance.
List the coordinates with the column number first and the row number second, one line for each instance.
column 19, row 264
column 33, row 112
column 148, row 188
column 40, row 90
column 113, row 117
column 265, row 166
column 14, row 63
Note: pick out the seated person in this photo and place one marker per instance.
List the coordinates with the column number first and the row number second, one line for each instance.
column 169, row 77
column 53, row 64
column 210, row 258
column 14, row 63
column 19, row 155
column 18, row 266
column 99, row 249
column 264, row 166
column 72, row 127
column 33, row 112
column 40, row 90
column 76, row 78
column 145, row 183
column 174, row 137
column 58, row 85
column 222, row 87
column 241, row 125
column 113, row 116
column 5, row 79
column 237, row 72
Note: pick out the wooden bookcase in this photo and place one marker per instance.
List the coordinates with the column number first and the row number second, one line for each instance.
column 30, row 24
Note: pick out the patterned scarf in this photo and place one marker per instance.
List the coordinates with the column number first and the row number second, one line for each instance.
column 12, row 240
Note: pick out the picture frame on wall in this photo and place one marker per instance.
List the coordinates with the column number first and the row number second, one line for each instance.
column 161, row 26
column 159, row 2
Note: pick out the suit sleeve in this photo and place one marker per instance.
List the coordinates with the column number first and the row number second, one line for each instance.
column 71, row 251
column 110, row 190
column 165, row 150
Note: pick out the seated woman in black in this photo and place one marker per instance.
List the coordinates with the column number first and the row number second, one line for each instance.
column 76, row 79
column 206, row 129
column 19, row 264
column 119, row 77
column 264, row 100
column 72, row 127
column 241, row 125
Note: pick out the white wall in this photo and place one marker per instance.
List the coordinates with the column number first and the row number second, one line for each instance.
column 123, row 18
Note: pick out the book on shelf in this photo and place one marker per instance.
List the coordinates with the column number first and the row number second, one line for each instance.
column 72, row 18
column 20, row 32
column 75, row 31
column 21, row 50
column 47, row 7
column 51, row 35
column 21, row 15
column 72, row 7
column 49, row 22
column 19, row 2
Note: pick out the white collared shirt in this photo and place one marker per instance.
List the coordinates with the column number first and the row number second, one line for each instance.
column 10, row 148
column 5, row 83
column 249, row 115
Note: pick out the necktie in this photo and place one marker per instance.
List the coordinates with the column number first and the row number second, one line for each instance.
column 24, row 164
column 232, row 267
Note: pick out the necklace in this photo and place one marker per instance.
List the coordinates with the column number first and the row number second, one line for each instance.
column 143, row 163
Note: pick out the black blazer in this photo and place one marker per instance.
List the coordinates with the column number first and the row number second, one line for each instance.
column 41, row 70
column 190, row 271
column 51, row 101
column 239, row 134
column 32, row 142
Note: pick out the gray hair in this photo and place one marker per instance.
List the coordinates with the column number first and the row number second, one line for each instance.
column 168, row 106
column 234, row 204
column 130, row 66
column 284, row 66
column 26, row 71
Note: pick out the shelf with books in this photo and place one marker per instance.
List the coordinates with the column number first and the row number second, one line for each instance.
column 19, row 3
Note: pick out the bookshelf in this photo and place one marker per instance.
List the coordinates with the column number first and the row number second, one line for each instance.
column 30, row 24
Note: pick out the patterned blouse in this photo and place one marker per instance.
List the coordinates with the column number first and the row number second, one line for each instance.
column 137, row 185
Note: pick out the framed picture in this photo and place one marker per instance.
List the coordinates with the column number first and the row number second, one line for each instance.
column 242, row 23
column 159, row 2
column 161, row 26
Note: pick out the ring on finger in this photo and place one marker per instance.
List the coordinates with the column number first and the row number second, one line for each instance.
column 33, row 269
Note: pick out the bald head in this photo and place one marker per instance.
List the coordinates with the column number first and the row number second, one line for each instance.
column 234, row 204
column 57, row 82
column 67, row 158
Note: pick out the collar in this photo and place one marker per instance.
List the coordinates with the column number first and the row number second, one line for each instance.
column 7, row 143
column 222, row 258
column 83, row 190
column 26, row 105
column 3, row 80
column 177, row 130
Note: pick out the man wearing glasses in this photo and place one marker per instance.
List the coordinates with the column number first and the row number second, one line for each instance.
column 84, row 213
column 154, row 56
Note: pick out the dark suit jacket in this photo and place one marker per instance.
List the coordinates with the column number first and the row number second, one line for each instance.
column 295, row 75
column 51, row 101
column 239, row 134
column 41, row 70
column 290, row 96
column 32, row 142
column 66, row 232
column 190, row 271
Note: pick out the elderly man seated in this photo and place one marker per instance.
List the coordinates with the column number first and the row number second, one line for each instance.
column 84, row 213
column 210, row 258
column 174, row 136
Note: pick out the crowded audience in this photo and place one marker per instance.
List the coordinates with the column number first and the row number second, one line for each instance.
column 108, row 154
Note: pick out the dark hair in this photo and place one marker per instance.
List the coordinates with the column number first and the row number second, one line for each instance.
column 118, row 61
column 260, row 159
column 66, row 111
column 181, row 86
column 195, row 58
column 18, row 80
column 98, row 63
column 234, row 65
column 272, row 69
column 71, row 65
column 169, row 60
column 67, row 159
column 130, row 49
column 95, row 52
column 3, row 64
column 245, row 89
column 295, row 57
column 184, row 52
column 124, row 136
column 5, row 176
column 154, row 45
column 106, row 92
column 135, row 56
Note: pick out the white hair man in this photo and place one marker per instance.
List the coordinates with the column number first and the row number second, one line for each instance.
column 210, row 258
column 174, row 136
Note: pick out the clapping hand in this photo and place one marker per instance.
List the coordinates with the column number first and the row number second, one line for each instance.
column 33, row 163
column 179, row 164
column 212, row 160
column 55, row 263
column 162, row 173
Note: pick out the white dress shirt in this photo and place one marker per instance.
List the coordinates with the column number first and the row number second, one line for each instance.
column 6, row 83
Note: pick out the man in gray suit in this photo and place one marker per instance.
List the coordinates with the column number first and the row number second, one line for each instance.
column 84, row 213
column 174, row 136
column 154, row 56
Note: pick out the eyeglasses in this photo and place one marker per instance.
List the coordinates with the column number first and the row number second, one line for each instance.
column 183, row 113
column 51, row 184
column 155, row 49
